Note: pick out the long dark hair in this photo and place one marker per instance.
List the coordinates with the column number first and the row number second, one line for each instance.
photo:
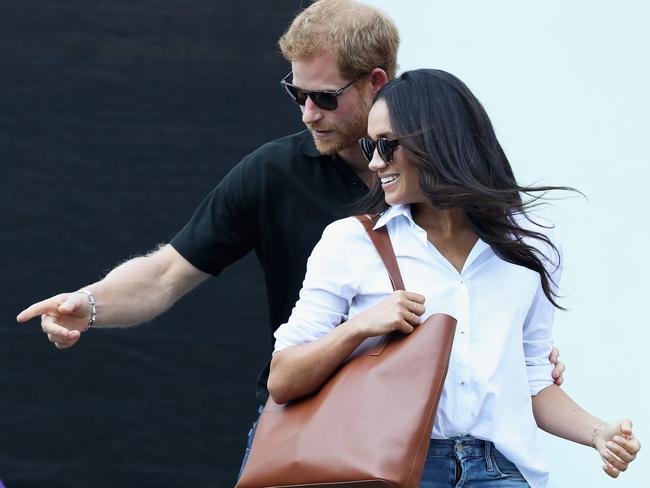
column 447, row 134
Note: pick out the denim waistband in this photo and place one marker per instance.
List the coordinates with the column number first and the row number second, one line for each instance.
column 466, row 446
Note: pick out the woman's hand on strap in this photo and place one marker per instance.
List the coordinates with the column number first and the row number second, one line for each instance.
column 400, row 311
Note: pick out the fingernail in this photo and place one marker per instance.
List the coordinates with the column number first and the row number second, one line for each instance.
column 610, row 444
column 617, row 438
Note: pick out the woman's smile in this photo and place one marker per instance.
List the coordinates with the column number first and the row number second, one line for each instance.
column 386, row 181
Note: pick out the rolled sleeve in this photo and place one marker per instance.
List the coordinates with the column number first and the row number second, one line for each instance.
column 538, row 327
column 326, row 294
column 538, row 342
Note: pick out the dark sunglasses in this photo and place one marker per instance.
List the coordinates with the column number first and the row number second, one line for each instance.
column 324, row 99
column 385, row 148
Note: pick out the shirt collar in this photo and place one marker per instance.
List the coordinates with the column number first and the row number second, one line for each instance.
column 396, row 211
column 392, row 212
column 308, row 147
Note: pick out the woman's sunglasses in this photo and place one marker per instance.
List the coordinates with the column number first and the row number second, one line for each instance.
column 385, row 148
column 323, row 99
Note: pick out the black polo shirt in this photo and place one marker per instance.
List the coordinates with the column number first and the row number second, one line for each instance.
column 276, row 202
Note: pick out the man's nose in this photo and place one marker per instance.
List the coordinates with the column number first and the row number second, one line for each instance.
column 311, row 112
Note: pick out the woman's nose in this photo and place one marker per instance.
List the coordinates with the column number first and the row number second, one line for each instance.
column 376, row 163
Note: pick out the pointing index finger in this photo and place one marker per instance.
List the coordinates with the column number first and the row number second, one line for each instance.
column 46, row 306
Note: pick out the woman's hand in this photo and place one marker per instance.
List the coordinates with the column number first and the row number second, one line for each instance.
column 616, row 444
column 400, row 311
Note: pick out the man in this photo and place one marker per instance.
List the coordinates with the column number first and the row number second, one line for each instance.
column 277, row 200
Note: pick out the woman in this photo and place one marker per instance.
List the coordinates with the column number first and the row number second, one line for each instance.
column 466, row 247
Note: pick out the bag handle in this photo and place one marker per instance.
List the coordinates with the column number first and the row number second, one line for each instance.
column 384, row 246
column 381, row 240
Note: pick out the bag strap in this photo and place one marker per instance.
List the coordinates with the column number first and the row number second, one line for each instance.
column 384, row 246
column 381, row 240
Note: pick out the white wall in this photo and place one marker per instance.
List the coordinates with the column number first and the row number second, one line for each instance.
column 566, row 86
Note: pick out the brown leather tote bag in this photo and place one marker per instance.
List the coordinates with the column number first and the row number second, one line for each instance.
column 369, row 425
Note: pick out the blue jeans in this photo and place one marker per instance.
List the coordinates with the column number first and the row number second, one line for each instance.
column 463, row 462
column 466, row 462
column 251, row 435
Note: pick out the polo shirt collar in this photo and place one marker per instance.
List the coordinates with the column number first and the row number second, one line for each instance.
column 308, row 147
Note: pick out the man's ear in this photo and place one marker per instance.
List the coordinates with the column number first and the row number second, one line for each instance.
column 378, row 78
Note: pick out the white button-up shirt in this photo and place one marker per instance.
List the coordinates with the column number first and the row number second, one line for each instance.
column 503, row 338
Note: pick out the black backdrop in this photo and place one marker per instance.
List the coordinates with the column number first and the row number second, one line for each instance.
column 116, row 118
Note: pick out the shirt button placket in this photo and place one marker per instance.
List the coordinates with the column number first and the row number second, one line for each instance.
column 465, row 393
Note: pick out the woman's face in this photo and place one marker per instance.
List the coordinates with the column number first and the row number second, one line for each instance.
column 399, row 178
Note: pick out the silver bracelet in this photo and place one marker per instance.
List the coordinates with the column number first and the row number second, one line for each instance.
column 93, row 311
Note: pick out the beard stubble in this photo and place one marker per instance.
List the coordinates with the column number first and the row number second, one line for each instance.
column 346, row 133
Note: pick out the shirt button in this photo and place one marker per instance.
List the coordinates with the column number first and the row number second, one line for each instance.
column 462, row 383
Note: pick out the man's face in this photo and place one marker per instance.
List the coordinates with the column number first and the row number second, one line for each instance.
column 332, row 130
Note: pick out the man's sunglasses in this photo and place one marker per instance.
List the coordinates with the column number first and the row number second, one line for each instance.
column 324, row 99
column 385, row 148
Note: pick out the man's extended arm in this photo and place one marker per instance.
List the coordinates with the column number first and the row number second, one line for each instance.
column 134, row 292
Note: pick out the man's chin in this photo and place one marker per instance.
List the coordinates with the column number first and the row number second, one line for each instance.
column 337, row 142
column 327, row 147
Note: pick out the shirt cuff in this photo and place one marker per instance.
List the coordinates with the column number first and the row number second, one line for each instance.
column 539, row 377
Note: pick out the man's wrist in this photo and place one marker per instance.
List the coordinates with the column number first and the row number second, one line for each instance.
column 93, row 307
